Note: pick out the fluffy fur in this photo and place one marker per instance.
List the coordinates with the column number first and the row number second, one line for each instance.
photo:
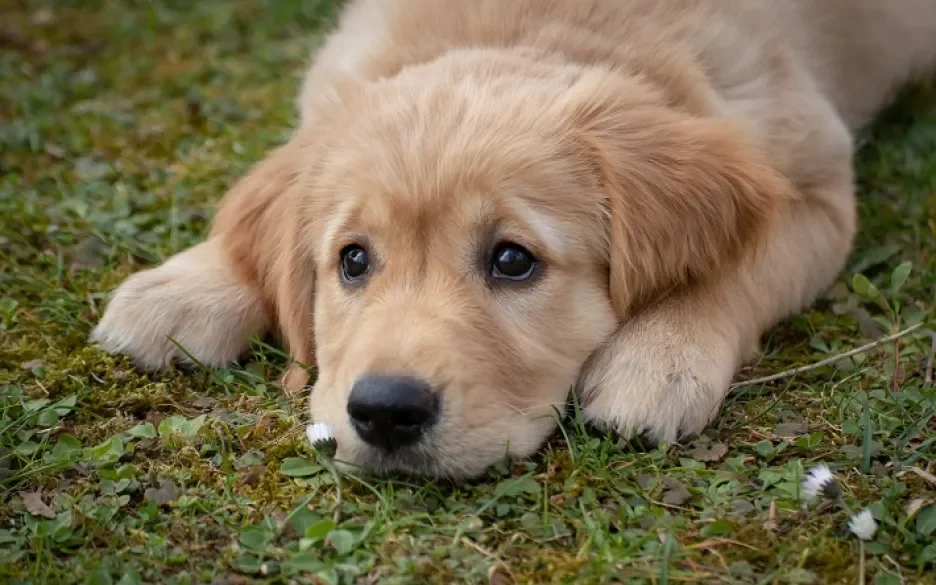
column 682, row 169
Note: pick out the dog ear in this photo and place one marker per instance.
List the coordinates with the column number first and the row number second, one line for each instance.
column 685, row 196
column 257, row 224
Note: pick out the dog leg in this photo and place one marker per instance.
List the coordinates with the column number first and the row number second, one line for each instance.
column 666, row 372
column 194, row 299
column 212, row 298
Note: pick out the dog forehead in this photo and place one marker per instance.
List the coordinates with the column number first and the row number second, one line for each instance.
column 421, row 216
column 457, row 205
column 417, row 171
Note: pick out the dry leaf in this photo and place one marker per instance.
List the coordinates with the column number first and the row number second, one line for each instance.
column 771, row 523
column 676, row 493
column 708, row 454
column 35, row 505
column 165, row 493
column 790, row 430
column 741, row 508
column 914, row 507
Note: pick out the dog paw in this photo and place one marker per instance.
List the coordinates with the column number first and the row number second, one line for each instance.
column 192, row 301
column 663, row 374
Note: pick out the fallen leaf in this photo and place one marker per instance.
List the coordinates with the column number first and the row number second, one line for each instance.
column 880, row 469
column 676, row 493
column 741, row 508
column 914, row 507
column 790, row 429
column 708, row 454
column 35, row 505
column 154, row 418
column 204, row 402
column 165, row 493
column 263, row 424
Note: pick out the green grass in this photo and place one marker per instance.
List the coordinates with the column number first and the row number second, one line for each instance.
column 122, row 122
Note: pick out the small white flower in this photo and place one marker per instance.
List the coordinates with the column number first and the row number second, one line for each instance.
column 863, row 525
column 319, row 433
column 818, row 481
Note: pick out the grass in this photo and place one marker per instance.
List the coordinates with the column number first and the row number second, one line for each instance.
column 122, row 122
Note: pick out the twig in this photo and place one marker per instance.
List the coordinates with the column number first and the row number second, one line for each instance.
column 896, row 566
column 924, row 474
column 928, row 377
column 828, row 360
column 719, row 541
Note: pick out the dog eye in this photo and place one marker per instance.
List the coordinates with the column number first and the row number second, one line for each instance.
column 354, row 262
column 512, row 262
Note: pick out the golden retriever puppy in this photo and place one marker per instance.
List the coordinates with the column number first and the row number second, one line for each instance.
column 490, row 203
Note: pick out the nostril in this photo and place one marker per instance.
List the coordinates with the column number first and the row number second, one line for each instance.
column 360, row 415
column 412, row 418
column 392, row 411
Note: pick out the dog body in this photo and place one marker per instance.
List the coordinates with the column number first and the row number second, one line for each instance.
column 487, row 203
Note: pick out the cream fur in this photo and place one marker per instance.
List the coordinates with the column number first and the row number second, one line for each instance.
column 682, row 169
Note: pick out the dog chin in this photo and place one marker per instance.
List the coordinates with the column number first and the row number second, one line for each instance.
column 424, row 461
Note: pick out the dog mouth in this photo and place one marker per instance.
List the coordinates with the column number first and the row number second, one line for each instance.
column 427, row 458
column 414, row 460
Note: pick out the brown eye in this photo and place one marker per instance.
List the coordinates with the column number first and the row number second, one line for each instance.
column 354, row 263
column 512, row 262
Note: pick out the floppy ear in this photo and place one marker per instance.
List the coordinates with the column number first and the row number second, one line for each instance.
column 257, row 224
column 686, row 196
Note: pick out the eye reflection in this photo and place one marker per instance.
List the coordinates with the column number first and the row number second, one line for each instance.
column 512, row 262
column 355, row 263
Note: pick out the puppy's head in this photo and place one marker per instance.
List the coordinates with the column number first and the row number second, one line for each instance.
column 463, row 236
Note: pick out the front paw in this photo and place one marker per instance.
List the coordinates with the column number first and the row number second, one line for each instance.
column 664, row 374
column 192, row 301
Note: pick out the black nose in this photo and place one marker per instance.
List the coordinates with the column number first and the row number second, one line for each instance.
column 392, row 411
